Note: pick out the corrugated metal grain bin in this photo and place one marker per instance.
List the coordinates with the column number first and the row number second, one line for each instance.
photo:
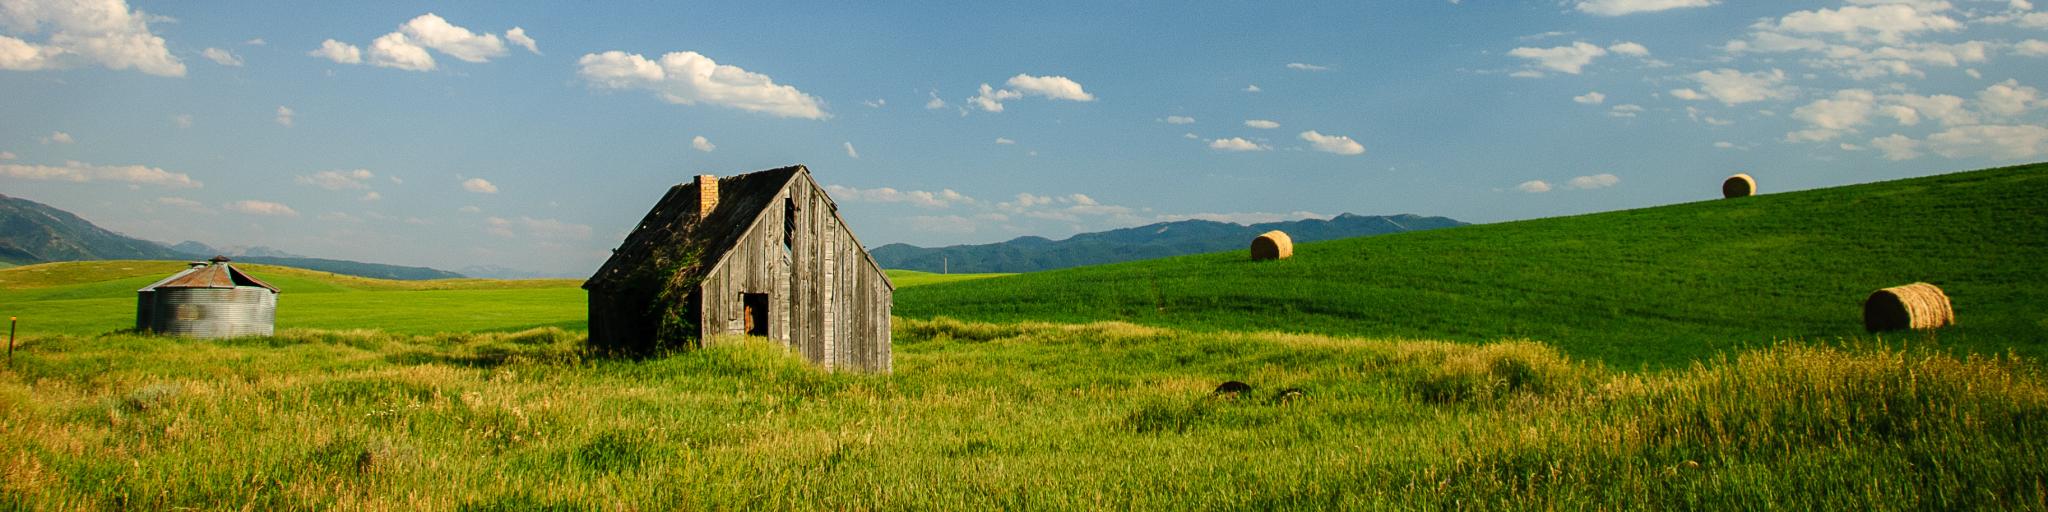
column 209, row 300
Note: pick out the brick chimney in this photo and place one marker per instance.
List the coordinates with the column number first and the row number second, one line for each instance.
column 707, row 195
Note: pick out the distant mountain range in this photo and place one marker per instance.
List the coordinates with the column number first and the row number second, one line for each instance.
column 1032, row 253
column 32, row 232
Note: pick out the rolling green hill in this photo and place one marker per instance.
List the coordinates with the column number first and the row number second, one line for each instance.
column 1656, row 286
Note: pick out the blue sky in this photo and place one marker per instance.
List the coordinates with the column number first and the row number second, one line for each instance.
column 438, row 135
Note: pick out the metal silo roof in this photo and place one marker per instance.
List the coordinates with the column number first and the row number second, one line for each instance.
column 219, row 274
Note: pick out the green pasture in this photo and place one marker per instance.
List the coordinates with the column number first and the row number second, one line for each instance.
column 1005, row 416
column 1659, row 286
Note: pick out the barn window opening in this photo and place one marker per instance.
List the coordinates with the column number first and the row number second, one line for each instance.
column 756, row 306
column 788, row 223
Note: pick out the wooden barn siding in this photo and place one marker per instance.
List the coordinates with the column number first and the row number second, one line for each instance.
column 853, row 334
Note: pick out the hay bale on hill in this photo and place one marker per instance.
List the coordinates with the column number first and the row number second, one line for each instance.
column 1739, row 185
column 1274, row 245
column 1913, row 306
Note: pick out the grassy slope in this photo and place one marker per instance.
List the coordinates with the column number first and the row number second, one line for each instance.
column 1654, row 286
column 99, row 296
column 979, row 416
column 92, row 297
column 911, row 278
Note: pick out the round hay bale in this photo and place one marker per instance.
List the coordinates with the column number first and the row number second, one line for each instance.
column 1274, row 245
column 1913, row 306
column 1740, row 185
column 1232, row 388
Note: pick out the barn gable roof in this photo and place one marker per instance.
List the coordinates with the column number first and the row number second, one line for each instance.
column 741, row 200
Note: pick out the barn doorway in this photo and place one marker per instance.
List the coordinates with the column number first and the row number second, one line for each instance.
column 756, row 306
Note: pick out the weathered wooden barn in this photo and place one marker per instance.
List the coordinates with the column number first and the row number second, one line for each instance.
column 762, row 254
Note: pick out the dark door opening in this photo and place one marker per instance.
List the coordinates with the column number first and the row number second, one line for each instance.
column 756, row 305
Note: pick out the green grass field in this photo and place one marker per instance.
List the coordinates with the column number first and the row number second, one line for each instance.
column 912, row 278
column 1699, row 356
column 981, row 416
column 1660, row 286
column 99, row 297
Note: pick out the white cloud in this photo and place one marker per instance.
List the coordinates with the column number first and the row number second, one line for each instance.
column 944, row 198
column 1597, row 181
column 338, row 51
column 851, row 153
column 1246, row 218
column 1626, row 7
column 371, row 196
column 57, row 138
column 407, row 47
column 79, row 172
column 1832, row 117
column 432, row 31
column 1949, row 110
column 1732, row 87
column 1236, row 144
column 1179, row 120
column 182, row 120
column 1337, row 144
column 1897, row 147
column 688, row 78
column 469, row 209
column 221, row 57
column 935, row 103
column 518, row 36
column 1629, row 48
column 339, row 180
column 184, row 204
column 264, row 208
column 102, row 32
column 1563, row 59
column 1261, row 124
column 285, row 115
column 1591, row 98
column 395, row 50
column 1252, row 88
column 529, row 227
column 479, row 185
column 990, row 99
column 2031, row 48
column 1887, row 23
column 1533, row 186
column 256, row 42
column 1297, row 66
column 2008, row 99
column 1053, row 87
column 702, row 144
column 2007, row 142
column 1004, row 141
column 1625, row 110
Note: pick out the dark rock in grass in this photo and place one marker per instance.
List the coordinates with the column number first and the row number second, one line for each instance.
column 1231, row 389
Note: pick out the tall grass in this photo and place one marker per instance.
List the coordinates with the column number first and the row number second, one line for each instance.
column 1095, row 416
